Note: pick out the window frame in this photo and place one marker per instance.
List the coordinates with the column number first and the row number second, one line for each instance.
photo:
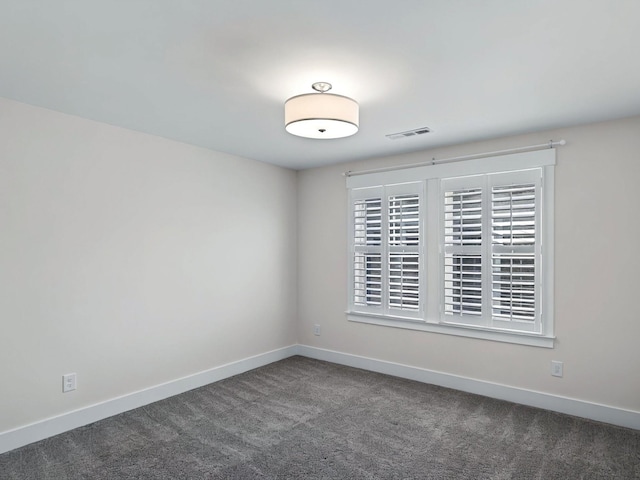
column 431, row 178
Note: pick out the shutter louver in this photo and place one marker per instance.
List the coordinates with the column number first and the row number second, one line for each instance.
column 367, row 221
column 463, row 217
column 462, row 258
column 367, row 261
column 404, row 260
column 404, row 220
column 367, row 278
column 513, row 233
column 463, row 284
column 404, row 287
column 513, row 287
column 513, row 215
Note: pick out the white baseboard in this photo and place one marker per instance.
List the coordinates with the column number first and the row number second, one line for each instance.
column 49, row 427
column 570, row 406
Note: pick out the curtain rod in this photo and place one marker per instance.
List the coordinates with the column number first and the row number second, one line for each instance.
column 433, row 161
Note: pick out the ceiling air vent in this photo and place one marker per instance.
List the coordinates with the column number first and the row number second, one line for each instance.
column 408, row 133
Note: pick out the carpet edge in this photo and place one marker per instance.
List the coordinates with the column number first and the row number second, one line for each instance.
column 570, row 406
column 33, row 432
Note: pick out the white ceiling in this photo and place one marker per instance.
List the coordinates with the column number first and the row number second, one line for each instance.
column 216, row 73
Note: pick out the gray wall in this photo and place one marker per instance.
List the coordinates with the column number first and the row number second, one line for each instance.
column 597, row 274
column 132, row 260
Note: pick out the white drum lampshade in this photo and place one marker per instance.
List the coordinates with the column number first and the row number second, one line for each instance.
column 321, row 115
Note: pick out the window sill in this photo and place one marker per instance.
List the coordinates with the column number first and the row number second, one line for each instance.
column 461, row 331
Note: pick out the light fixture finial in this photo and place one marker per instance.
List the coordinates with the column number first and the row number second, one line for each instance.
column 322, row 87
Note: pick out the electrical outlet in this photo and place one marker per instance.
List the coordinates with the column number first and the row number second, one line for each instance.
column 316, row 329
column 69, row 382
column 556, row 368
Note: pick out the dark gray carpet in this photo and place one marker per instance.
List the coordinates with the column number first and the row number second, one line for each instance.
column 302, row 418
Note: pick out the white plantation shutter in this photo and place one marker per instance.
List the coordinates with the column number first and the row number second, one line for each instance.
column 404, row 284
column 490, row 250
column 368, row 221
column 462, row 249
column 463, row 217
column 386, row 267
column 513, row 287
column 404, row 259
column 513, row 214
column 463, row 284
column 367, row 279
column 367, row 255
column 404, row 220
column 515, row 247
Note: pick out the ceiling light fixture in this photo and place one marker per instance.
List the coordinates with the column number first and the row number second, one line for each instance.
column 321, row 115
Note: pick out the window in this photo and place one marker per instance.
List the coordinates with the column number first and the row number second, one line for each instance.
column 433, row 248
column 386, row 261
column 490, row 233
